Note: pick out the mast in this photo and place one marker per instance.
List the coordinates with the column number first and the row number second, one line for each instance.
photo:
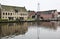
column 38, row 16
column 38, row 7
column 38, row 11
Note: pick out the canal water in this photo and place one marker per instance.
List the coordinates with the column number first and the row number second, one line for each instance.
column 30, row 30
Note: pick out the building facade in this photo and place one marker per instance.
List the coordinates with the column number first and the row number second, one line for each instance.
column 31, row 14
column 0, row 10
column 13, row 12
column 50, row 14
column 58, row 15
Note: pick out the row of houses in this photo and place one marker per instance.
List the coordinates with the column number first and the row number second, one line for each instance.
column 14, row 13
column 50, row 14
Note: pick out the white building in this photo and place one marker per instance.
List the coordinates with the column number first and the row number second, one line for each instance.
column 13, row 12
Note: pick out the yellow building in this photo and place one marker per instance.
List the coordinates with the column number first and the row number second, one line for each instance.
column 13, row 12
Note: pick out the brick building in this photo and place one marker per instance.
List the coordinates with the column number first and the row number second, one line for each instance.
column 50, row 14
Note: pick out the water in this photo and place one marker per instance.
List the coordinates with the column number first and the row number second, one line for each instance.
column 30, row 30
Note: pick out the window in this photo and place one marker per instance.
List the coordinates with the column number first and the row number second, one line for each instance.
column 33, row 16
column 6, row 13
column 3, row 17
column 16, row 11
column 11, row 13
column 3, row 13
column 21, row 14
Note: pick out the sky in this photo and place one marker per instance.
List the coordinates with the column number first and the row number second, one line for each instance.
column 33, row 4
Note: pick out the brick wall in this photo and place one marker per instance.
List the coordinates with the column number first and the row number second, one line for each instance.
column 46, row 16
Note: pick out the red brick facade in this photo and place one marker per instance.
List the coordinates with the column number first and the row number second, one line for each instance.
column 44, row 14
column 48, row 14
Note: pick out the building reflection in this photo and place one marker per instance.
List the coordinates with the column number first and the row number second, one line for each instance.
column 32, row 23
column 50, row 25
column 10, row 29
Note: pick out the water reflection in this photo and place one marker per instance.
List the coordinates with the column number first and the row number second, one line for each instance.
column 49, row 25
column 29, row 30
column 10, row 29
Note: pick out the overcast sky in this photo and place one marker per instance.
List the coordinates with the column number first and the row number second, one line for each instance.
column 33, row 4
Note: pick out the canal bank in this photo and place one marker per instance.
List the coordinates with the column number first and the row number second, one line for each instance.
column 28, row 21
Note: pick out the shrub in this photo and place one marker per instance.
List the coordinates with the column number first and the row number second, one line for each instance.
column 3, row 19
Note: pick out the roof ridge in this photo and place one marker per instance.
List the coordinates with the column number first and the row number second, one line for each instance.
column 12, row 6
